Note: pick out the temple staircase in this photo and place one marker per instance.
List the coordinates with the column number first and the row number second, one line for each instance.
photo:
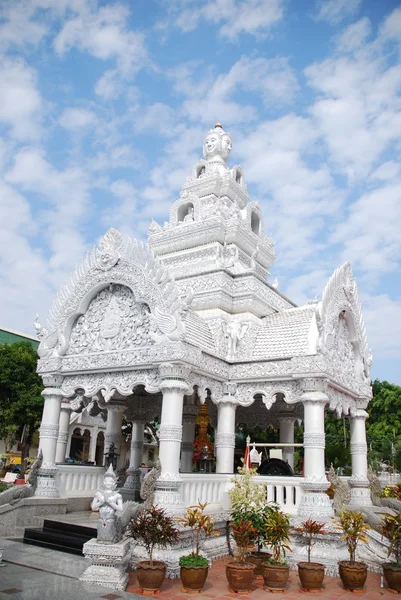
column 62, row 535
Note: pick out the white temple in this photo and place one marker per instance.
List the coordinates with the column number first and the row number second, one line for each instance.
column 157, row 329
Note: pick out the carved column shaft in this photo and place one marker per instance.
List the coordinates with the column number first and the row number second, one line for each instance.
column 64, row 422
column 359, row 483
column 173, row 386
column 315, row 503
column 188, row 437
column 287, row 437
column 137, row 439
column 92, row 444
column 113, row 428
column 225, row 437
column 49, row 429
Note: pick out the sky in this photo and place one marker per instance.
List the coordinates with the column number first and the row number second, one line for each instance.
column 104, row 106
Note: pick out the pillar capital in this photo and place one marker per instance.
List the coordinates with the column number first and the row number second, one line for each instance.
column 54, row 380
column 314, row 385
column 117, row 408
column 174, row 371
column 359, row 414
column 48, row 392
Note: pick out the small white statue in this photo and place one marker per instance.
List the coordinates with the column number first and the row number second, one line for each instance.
column 190, row 215
column 216, row 150
column 110, row 505
column 234, row 331
column 255, row 456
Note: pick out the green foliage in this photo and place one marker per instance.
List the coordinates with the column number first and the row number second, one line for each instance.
column 354, row 529
column 202, row 526
column 248, row 503
column 383, row 428
column 337, row 432
column 310, row 529
column 392, row 531
column 192, row 560
column 277, row 531
column 153, row 527
column 3, row 487
column 21, row 402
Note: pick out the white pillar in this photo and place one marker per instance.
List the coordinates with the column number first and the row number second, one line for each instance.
column 360, row 490
column 225, row 437
column 173, row 386
column 92, row 444
column 132, row 484
column 113, row 427
column 188, row 433
column 49, row 429
column 287, row 437
column 64, row 423
column 315, row 502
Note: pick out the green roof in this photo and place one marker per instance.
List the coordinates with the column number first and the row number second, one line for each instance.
column 7, row 336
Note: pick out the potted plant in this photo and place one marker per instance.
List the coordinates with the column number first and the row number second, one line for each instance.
column 152, row 527
column 194, row 567
column 352, row 573
column 240, row 572
column 392, row 571
column 277, row 531
column 248, row 502
column 310, row 573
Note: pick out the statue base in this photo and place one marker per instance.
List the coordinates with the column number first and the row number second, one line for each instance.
column 108, row 563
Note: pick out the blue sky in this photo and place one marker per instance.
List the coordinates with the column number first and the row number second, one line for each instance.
column 104, row 106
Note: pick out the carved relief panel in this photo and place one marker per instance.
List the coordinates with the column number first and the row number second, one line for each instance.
column 113, row 321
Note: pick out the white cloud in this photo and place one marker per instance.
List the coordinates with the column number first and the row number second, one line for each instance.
column 254, row 17
column 390, row 29
column 20, row 101
column 77, row 118
column 211, row 97
column 104, row 34
column 370, row 234
column 334, row 11
column 382, row 316
column 354, row 36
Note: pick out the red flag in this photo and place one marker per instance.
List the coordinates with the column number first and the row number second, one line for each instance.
column 247, row 458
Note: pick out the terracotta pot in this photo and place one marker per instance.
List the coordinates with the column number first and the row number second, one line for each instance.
column 240, row 577
column 275, row 577
column 353, row 574
column 193, row 578
column 392, row 574
column 257, row 559
column 311, row 575
column 19, row 482
column 150, row 577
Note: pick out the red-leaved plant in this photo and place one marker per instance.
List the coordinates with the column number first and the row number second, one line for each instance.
column 309, row 530
column 153, row 527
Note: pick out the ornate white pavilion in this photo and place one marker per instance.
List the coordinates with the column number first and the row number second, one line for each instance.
column 190, row 318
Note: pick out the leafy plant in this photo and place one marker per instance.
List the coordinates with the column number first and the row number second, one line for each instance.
column 310, row 529
column 153, row 527
column 392, row 531
column 202, row 527
column 248, row 503
column 392, row 491
column 277, row 531
column 354, row 530
column 244, row 534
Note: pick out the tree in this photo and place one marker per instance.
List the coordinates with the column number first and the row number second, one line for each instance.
column 21, row 402
column 383, row 427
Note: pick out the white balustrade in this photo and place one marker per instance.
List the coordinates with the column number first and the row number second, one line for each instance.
column 79, row 480
column 213, row 489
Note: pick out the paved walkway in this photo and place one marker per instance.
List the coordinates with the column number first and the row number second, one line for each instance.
column 39, row 574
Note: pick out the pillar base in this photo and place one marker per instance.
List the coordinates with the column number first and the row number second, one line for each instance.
column 108, row 563
column 47, row 486
column 360, row 493
column 167, row 494
column 315, row 503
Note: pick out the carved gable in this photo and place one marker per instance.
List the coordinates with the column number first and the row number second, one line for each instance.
column 112, row 321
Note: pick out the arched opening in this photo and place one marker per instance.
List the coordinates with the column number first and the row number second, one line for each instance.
column 255, row 223
column 200, row 171
column 185, row 212
column 80, row 443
